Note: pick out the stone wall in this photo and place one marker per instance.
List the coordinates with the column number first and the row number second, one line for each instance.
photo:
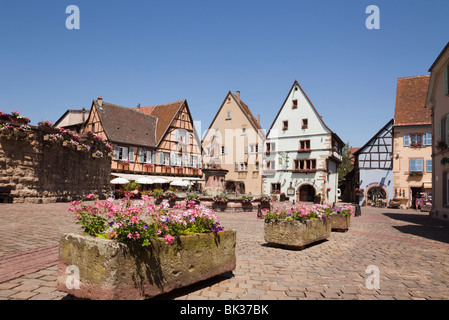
column 37, row 168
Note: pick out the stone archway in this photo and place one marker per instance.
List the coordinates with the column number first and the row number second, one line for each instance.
column 306, row 193
column 376, row 194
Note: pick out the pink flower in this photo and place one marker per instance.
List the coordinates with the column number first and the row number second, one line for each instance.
column 90, row 196
column 168, row 239
column 134, row 220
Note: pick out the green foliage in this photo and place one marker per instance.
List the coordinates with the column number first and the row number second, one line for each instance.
column 131, row 186
column 346, row 166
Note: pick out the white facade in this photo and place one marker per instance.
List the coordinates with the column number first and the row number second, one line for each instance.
column 301, row 153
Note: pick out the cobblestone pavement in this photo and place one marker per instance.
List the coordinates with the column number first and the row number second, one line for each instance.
column 410, row 250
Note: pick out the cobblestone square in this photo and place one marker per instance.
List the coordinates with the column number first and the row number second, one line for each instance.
column 409, row 250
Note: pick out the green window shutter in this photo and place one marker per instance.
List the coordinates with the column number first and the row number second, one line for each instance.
column 439, row 130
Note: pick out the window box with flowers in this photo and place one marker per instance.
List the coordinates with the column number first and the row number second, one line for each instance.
column 297, row 226
column 416, row 145
column 124, row 164
column 304, row 150
column 137, row 252
column 415, row 173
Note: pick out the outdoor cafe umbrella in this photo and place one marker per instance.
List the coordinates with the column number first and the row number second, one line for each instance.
column 119, row 181
column 144, row 180
column 160, row 180
column 180, row 183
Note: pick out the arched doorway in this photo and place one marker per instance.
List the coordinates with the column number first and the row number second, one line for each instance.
column 376, row 196
column 306, row 193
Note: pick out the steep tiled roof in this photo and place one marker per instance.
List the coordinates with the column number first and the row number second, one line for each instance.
column 126, row 125
column 411, row 97
column 165, row 113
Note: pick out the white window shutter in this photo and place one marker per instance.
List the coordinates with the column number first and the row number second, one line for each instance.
column 154, row 157
column 116, row 152
column 124, row 153
column 141, row 155
column 131, row 154
column 406, row 140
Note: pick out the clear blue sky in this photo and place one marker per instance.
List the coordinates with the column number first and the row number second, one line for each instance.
column 155, row 52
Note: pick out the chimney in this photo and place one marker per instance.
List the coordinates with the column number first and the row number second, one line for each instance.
column 84, row 114
column 238, row 95
column 258, row 119
column 138, row 107
column 100, row 101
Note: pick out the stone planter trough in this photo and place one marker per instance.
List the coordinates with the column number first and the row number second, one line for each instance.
column 340, row 222
column 111, row 270
column 296, row 234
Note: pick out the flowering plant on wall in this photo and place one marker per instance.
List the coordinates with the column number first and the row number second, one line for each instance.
column 140, row 221
column 16, row 116
column 220, row 198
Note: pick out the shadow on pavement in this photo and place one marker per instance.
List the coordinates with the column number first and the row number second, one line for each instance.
column 422, row 226
column 194, row 287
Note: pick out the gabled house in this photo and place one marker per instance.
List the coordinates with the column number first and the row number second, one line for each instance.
column 412, row 141
column 437, row 102
column 373, row 168
column 234, row 142
column 302, row 154
column 157, row 141
column 73, row 119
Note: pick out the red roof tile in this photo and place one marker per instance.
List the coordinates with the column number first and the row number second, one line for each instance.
column 411, row 100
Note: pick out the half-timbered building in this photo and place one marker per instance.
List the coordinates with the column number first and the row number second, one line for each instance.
column 373, row 168
column 156, row 141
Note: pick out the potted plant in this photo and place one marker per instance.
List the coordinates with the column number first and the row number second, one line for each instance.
column 220, row 201
column 296, row 226
column 247, row 202
column 131, row 252
column 192, row 198
column 158, row 195
column 341, row 217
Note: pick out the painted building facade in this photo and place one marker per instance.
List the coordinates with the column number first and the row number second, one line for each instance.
column 302, row 154
column 412, row 142
column 234, row 142
column 438, row 103
column 373, row 168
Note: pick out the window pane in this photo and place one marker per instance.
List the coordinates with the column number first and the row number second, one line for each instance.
column 429, row 165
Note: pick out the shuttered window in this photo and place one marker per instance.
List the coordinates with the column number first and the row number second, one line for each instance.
column 416, row 165
column 406, row 140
